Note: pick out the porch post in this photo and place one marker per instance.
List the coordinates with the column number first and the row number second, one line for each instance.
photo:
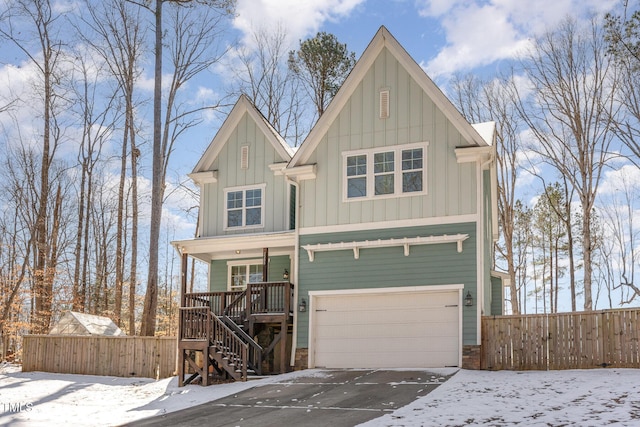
column 265, row 264
column 183, row 299
column 183, row 280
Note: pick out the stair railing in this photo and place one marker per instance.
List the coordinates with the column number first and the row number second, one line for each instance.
column 194, row 323
column 255, row 350
column 232, row 348
column 236, row 308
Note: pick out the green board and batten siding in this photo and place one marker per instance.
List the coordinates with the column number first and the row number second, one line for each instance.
column 496, row 296
column 438, row 264
column 261, row 155
column 451, row 187
column 218, row 274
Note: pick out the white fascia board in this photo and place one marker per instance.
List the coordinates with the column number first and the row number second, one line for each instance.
column 205, row 177
column 278, row 168
column 473, row 154
column 300, row 173
column 405, row 242
column 235, row 242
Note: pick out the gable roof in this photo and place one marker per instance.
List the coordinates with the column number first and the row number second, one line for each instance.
column 242, row 106
column 74, row 323
column 383, row 39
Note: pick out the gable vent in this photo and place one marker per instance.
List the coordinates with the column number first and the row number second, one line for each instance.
column 384, row 104
column 244, row 157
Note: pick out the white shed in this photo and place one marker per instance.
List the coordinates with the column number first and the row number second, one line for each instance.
column 74, row 323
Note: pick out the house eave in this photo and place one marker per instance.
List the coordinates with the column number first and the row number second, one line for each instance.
column 474, row 154
column 301, row 173
column 205, row 177
column 278, row 168
column 236, row 246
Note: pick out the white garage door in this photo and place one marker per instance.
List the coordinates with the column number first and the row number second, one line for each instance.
column 418, row 329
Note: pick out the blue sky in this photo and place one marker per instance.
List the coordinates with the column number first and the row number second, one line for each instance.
column 444, row 36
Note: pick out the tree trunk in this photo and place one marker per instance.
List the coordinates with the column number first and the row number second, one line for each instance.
column 587, row 255
column 148, row 326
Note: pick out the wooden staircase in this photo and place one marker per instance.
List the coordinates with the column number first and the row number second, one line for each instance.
column 216, row 331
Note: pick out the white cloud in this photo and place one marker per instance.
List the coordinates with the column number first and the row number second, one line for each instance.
column 624, row 178
column 299, row 18
column 484, row 31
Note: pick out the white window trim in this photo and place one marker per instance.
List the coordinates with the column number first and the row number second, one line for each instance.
column 370, row 177
column 244, row 189
column 244, row 262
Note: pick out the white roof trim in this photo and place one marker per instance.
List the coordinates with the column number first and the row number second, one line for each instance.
column 235, row 242
column 278, row 168
column 473, row 154
column 206, row 177
column 243, row 105
column 382, row 39
column 405, row 242
column 301, row 173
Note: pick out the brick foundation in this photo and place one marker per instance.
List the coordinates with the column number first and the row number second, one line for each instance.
column 302, row 359
column 471, row 357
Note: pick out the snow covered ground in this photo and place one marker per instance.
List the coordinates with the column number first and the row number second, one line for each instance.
column 585, row 397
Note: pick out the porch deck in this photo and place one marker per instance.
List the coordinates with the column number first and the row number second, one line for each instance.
column 223, row 326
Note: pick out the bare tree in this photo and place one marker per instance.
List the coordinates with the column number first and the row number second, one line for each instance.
column 623, row 38
column 568, row 113
column 263, row 76
column 42, row 26
column 492, row 101
column 16, row 242
column 624, row 253
column 97, row 127
column 192, row 42
column 120, row 37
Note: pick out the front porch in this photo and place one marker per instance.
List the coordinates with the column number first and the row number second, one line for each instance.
column 236, row 333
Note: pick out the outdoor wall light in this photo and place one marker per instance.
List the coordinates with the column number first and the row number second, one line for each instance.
column 285, row 275
column 302, row 307
column 468, row 300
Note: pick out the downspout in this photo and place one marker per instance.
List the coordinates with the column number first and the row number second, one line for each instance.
column 295, row 273
column 481, row 242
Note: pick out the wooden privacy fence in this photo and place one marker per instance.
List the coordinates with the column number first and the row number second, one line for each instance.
column 576, row 340
column 120, row 356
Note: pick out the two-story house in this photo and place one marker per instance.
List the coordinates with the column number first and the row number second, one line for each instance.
column 370, row 246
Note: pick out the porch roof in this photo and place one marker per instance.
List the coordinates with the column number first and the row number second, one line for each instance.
column 237, row 245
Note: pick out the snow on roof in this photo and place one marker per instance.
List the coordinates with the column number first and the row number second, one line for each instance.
column 486, row 131
column 74, row 323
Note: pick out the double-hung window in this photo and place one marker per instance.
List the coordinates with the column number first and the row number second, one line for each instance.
column 384, row 172
column 357, row 176
column 244, row 207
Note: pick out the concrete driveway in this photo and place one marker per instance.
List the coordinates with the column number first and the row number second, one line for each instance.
column 324, row 398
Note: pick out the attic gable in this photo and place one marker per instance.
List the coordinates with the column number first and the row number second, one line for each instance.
column 243, row 106
column 383, row 39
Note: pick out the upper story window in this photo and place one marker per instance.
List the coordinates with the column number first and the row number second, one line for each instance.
column 244, row 207
column 384, row 172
